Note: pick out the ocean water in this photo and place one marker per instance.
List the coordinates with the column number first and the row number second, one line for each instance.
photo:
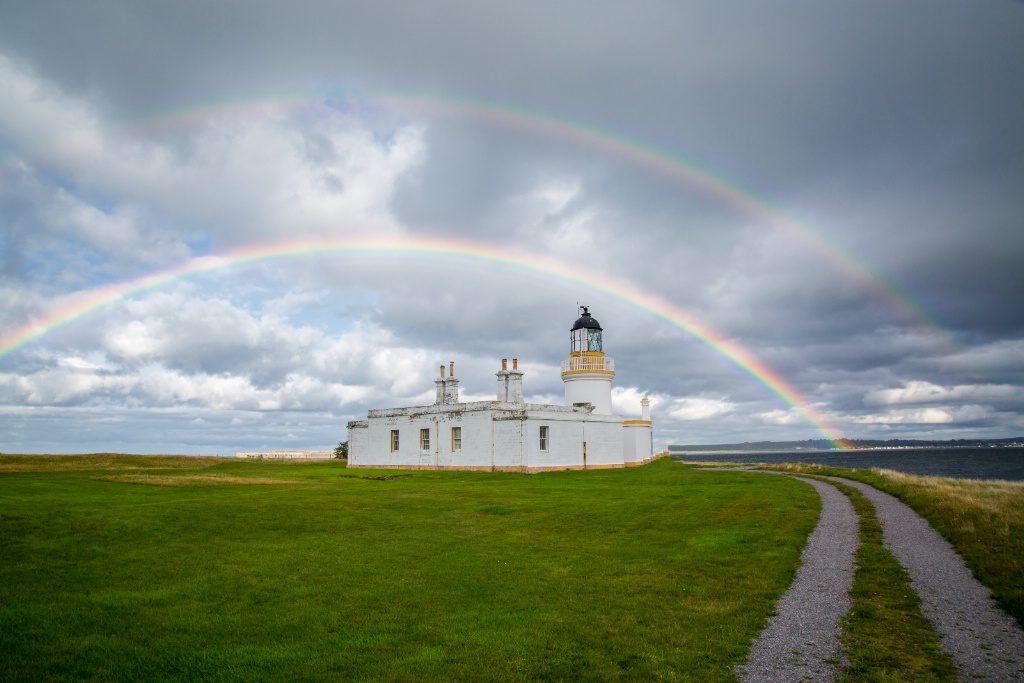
column 965, row 463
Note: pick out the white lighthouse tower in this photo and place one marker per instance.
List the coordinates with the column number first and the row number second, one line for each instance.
column 587, row 372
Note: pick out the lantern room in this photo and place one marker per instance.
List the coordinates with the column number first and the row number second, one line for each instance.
column 586, row 334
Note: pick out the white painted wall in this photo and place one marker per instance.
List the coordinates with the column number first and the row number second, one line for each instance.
column 629, row 445
column 637, row 442
column 594, row 388
column 357, row 440
column 494, row 435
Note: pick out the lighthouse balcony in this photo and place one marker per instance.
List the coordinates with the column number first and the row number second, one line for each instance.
column 588, row 364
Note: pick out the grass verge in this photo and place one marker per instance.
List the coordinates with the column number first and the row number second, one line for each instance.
column 645, row 574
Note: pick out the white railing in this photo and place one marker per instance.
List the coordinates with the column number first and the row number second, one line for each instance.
column 588, row 364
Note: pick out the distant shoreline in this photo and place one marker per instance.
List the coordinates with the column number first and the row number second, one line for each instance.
column 1004, row 462
column 819, row 451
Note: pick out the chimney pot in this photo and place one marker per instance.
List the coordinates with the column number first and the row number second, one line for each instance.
column 515, row 363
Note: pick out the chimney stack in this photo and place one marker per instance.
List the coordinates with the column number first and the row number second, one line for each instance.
column 510, row 382
column 451, row 385
column 439, row 399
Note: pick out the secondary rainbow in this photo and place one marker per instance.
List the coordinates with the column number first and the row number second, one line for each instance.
column 638, row 153
column 81, row 304
column 633, row 151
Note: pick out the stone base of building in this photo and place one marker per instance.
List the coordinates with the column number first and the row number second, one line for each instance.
column 495, row 468
column 487, row 468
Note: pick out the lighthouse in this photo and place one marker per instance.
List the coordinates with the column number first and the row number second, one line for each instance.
column 587, row 372
column 509, row 434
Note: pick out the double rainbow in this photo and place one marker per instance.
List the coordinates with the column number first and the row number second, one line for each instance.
column 635, row 152
column 81, row 304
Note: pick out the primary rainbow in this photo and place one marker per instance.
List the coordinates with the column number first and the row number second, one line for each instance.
column 83, row 303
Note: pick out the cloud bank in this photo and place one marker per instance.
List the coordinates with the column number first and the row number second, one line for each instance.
column 835, row 190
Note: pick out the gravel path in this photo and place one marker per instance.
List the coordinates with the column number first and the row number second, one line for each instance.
column 801, row 643
column 985, row 643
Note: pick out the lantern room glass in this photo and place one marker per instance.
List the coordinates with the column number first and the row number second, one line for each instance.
column 586, row 339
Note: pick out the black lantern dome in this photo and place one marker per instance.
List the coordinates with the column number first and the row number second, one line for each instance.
column 586, row 320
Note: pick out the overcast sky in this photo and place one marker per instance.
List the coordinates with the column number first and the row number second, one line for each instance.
column 835, row 189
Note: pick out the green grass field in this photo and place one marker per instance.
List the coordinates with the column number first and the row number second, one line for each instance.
column 142, row 568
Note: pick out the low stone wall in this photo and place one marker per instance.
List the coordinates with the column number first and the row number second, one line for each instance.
column 656, row 456
column 288, row 455
column 528, row 470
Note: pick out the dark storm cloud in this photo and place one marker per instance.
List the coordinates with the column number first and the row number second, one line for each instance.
column 889, row 132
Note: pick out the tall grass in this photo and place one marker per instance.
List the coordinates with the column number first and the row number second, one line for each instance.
column 104, row 461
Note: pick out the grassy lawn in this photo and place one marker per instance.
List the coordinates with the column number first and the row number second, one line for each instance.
column 128, row 568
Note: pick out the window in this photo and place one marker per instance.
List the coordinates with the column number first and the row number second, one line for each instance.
column 394, row 440
column 544, row 438
column 456, row 439
column 424, row 439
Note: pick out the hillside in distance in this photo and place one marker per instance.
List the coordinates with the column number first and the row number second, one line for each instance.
column 825, row 445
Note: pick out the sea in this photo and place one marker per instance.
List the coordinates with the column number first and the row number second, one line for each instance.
column 964, row 463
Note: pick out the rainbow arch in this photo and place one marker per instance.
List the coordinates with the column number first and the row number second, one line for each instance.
column 635, row 152
column 84, row 303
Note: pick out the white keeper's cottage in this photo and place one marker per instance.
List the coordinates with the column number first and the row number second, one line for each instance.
column 507, row 434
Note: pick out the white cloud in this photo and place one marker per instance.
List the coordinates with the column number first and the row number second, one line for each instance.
column 923, row 416
column 184, row 329
column 918, row 391
column 180, row 348
column 254, row 177
column 267, row 173
column 76, row 363
column 556, row 218
column 41, row 117
column 690, row 409
column 625, row 401
column 780, row 417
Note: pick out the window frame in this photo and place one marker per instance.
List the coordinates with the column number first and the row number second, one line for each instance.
column 544, row 440
column 456, row 439
column 394, row 441
column 425, row 439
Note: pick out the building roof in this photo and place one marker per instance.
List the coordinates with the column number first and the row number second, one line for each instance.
column 586, row 321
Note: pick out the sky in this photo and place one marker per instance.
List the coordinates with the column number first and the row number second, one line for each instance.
column 236, row 226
